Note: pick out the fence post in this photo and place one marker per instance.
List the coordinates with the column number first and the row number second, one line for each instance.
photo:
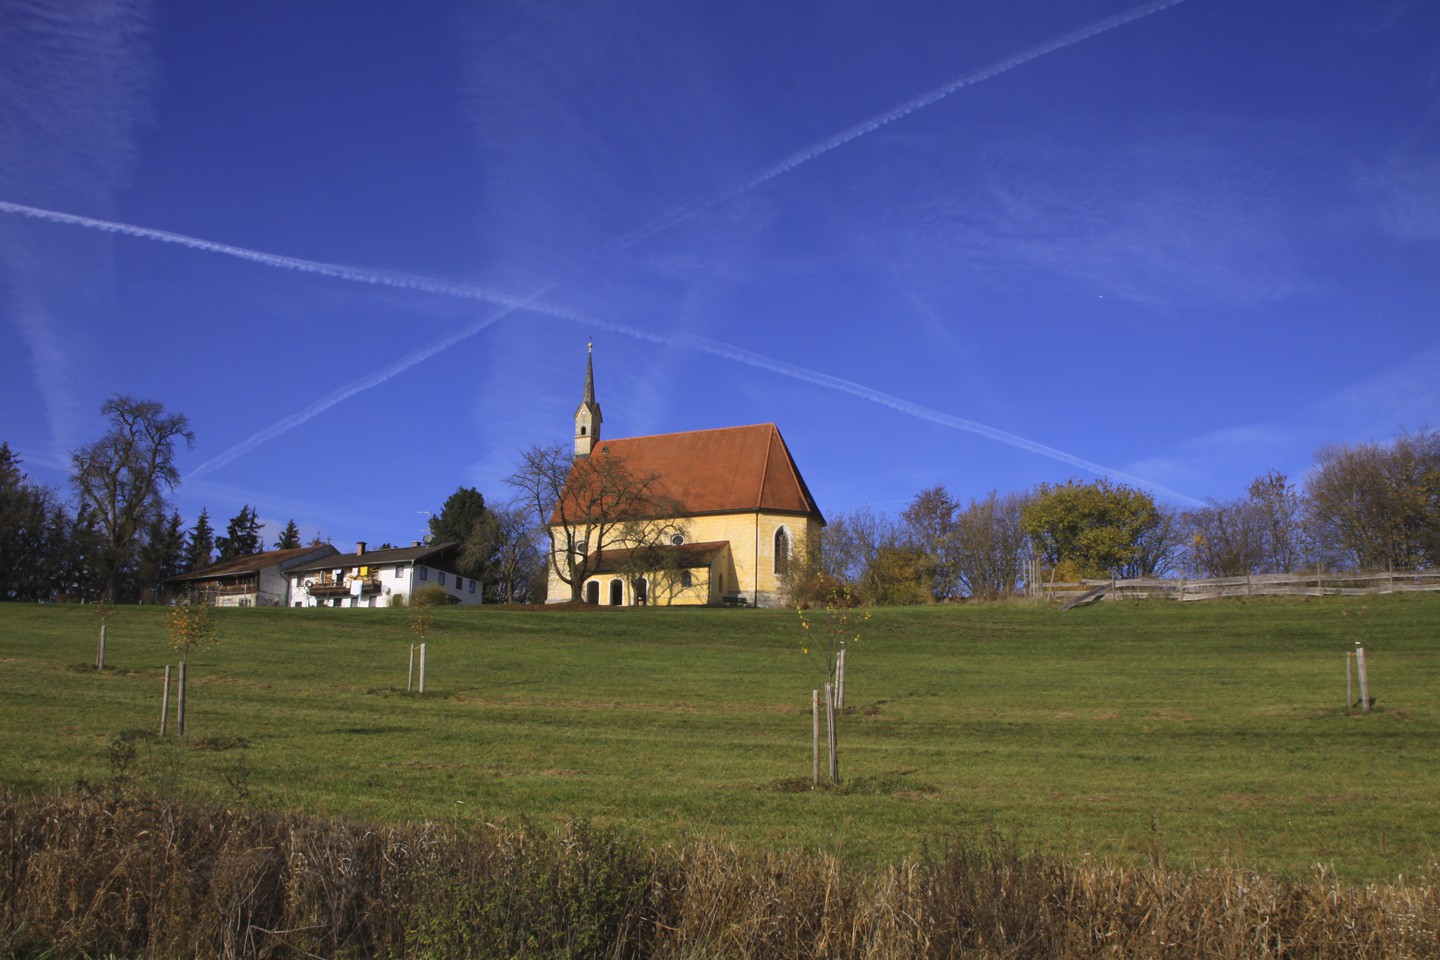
column 1364, row 679
column 814, row 738
column 165, row 701
column 1349, row 688
column 180, row 703
column 832, row 739
column 422, row 668
column 100, row 650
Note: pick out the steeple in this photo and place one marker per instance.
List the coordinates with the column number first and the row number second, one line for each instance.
column 587, row 416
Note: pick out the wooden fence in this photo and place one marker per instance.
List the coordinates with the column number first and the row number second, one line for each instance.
column 1322, row 584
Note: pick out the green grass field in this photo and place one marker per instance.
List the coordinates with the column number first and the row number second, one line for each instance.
column 1203, row 732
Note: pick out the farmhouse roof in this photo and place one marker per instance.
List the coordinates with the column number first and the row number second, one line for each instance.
column 254, row 563
column 726, row 470
column 434, row 554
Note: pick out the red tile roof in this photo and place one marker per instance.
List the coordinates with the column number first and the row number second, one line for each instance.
column 729, row 470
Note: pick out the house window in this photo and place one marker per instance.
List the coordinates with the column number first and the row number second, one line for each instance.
column 399, row 571
column 686, row 580
column 440, row 578
column 617, row 592
column 592, row 592
column 459, row 584
column 472, row 586
column 677, row 539
column 424, row 573
column 782, row 552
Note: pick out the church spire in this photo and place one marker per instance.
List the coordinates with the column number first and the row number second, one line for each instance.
column 587, row 416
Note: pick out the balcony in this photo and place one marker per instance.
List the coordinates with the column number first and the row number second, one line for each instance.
column 329, row 587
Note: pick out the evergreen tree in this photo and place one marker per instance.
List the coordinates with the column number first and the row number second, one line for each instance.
column 201, row 546
column 27, row 543
column 162, row 557
column 466, row 519
column 80, row 569
column 242, row 536
column 462, row 512
column 289, row 537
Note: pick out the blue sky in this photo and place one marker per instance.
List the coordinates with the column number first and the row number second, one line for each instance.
column 363, row 245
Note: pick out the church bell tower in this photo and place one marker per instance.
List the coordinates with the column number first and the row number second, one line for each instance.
column 587, row 417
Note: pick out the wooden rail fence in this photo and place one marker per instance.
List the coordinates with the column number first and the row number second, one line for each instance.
column 1322, row 584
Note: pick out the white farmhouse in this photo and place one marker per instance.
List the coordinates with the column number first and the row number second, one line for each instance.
column 256, row 580
column 381, row 578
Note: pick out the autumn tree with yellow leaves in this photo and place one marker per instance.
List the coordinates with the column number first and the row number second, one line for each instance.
column 826, row 638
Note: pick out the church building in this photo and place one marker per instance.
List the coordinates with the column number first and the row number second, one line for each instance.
column 706, row 517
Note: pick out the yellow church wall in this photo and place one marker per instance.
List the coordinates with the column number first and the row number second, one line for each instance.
column 746, row 569
column 752, row 548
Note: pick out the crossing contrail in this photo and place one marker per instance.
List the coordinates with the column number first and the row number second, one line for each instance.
column 509, row 304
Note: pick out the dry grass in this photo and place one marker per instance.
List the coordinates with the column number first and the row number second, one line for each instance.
column 106, row 872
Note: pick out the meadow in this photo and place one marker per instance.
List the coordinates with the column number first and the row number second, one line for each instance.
column 1197, row 734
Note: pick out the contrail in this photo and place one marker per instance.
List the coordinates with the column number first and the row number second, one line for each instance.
column 381, row 278
column 821, row 147
column 806, row 375
column 510, row 304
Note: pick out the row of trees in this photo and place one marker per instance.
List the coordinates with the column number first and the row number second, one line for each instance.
column 116, row 538
column 117, row 541
column 1367, row 506
column 58, row 551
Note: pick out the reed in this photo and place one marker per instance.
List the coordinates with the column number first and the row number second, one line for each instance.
column 113, row 872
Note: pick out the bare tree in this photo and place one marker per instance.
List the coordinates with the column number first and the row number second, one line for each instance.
column 507, row 545
column 991, row 546
column 930, row 524
column 852, row 543
column 643, row 550
column 1161, row 547
column 1226, row 539
column 1282, row 519
column 589, row 505
column 1378, row 507
column 122, row 478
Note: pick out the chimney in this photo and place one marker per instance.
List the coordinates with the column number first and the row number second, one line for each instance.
column 359, row 548
column 414, row 543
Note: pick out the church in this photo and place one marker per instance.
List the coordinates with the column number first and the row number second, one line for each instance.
column 701, row 518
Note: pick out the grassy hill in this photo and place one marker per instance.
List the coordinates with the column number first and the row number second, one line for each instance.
column 1198, row 732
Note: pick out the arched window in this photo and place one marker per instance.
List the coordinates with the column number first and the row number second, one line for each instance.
column 592, row 592
column 782, row 552
column 642, row 591
column 617, row 592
